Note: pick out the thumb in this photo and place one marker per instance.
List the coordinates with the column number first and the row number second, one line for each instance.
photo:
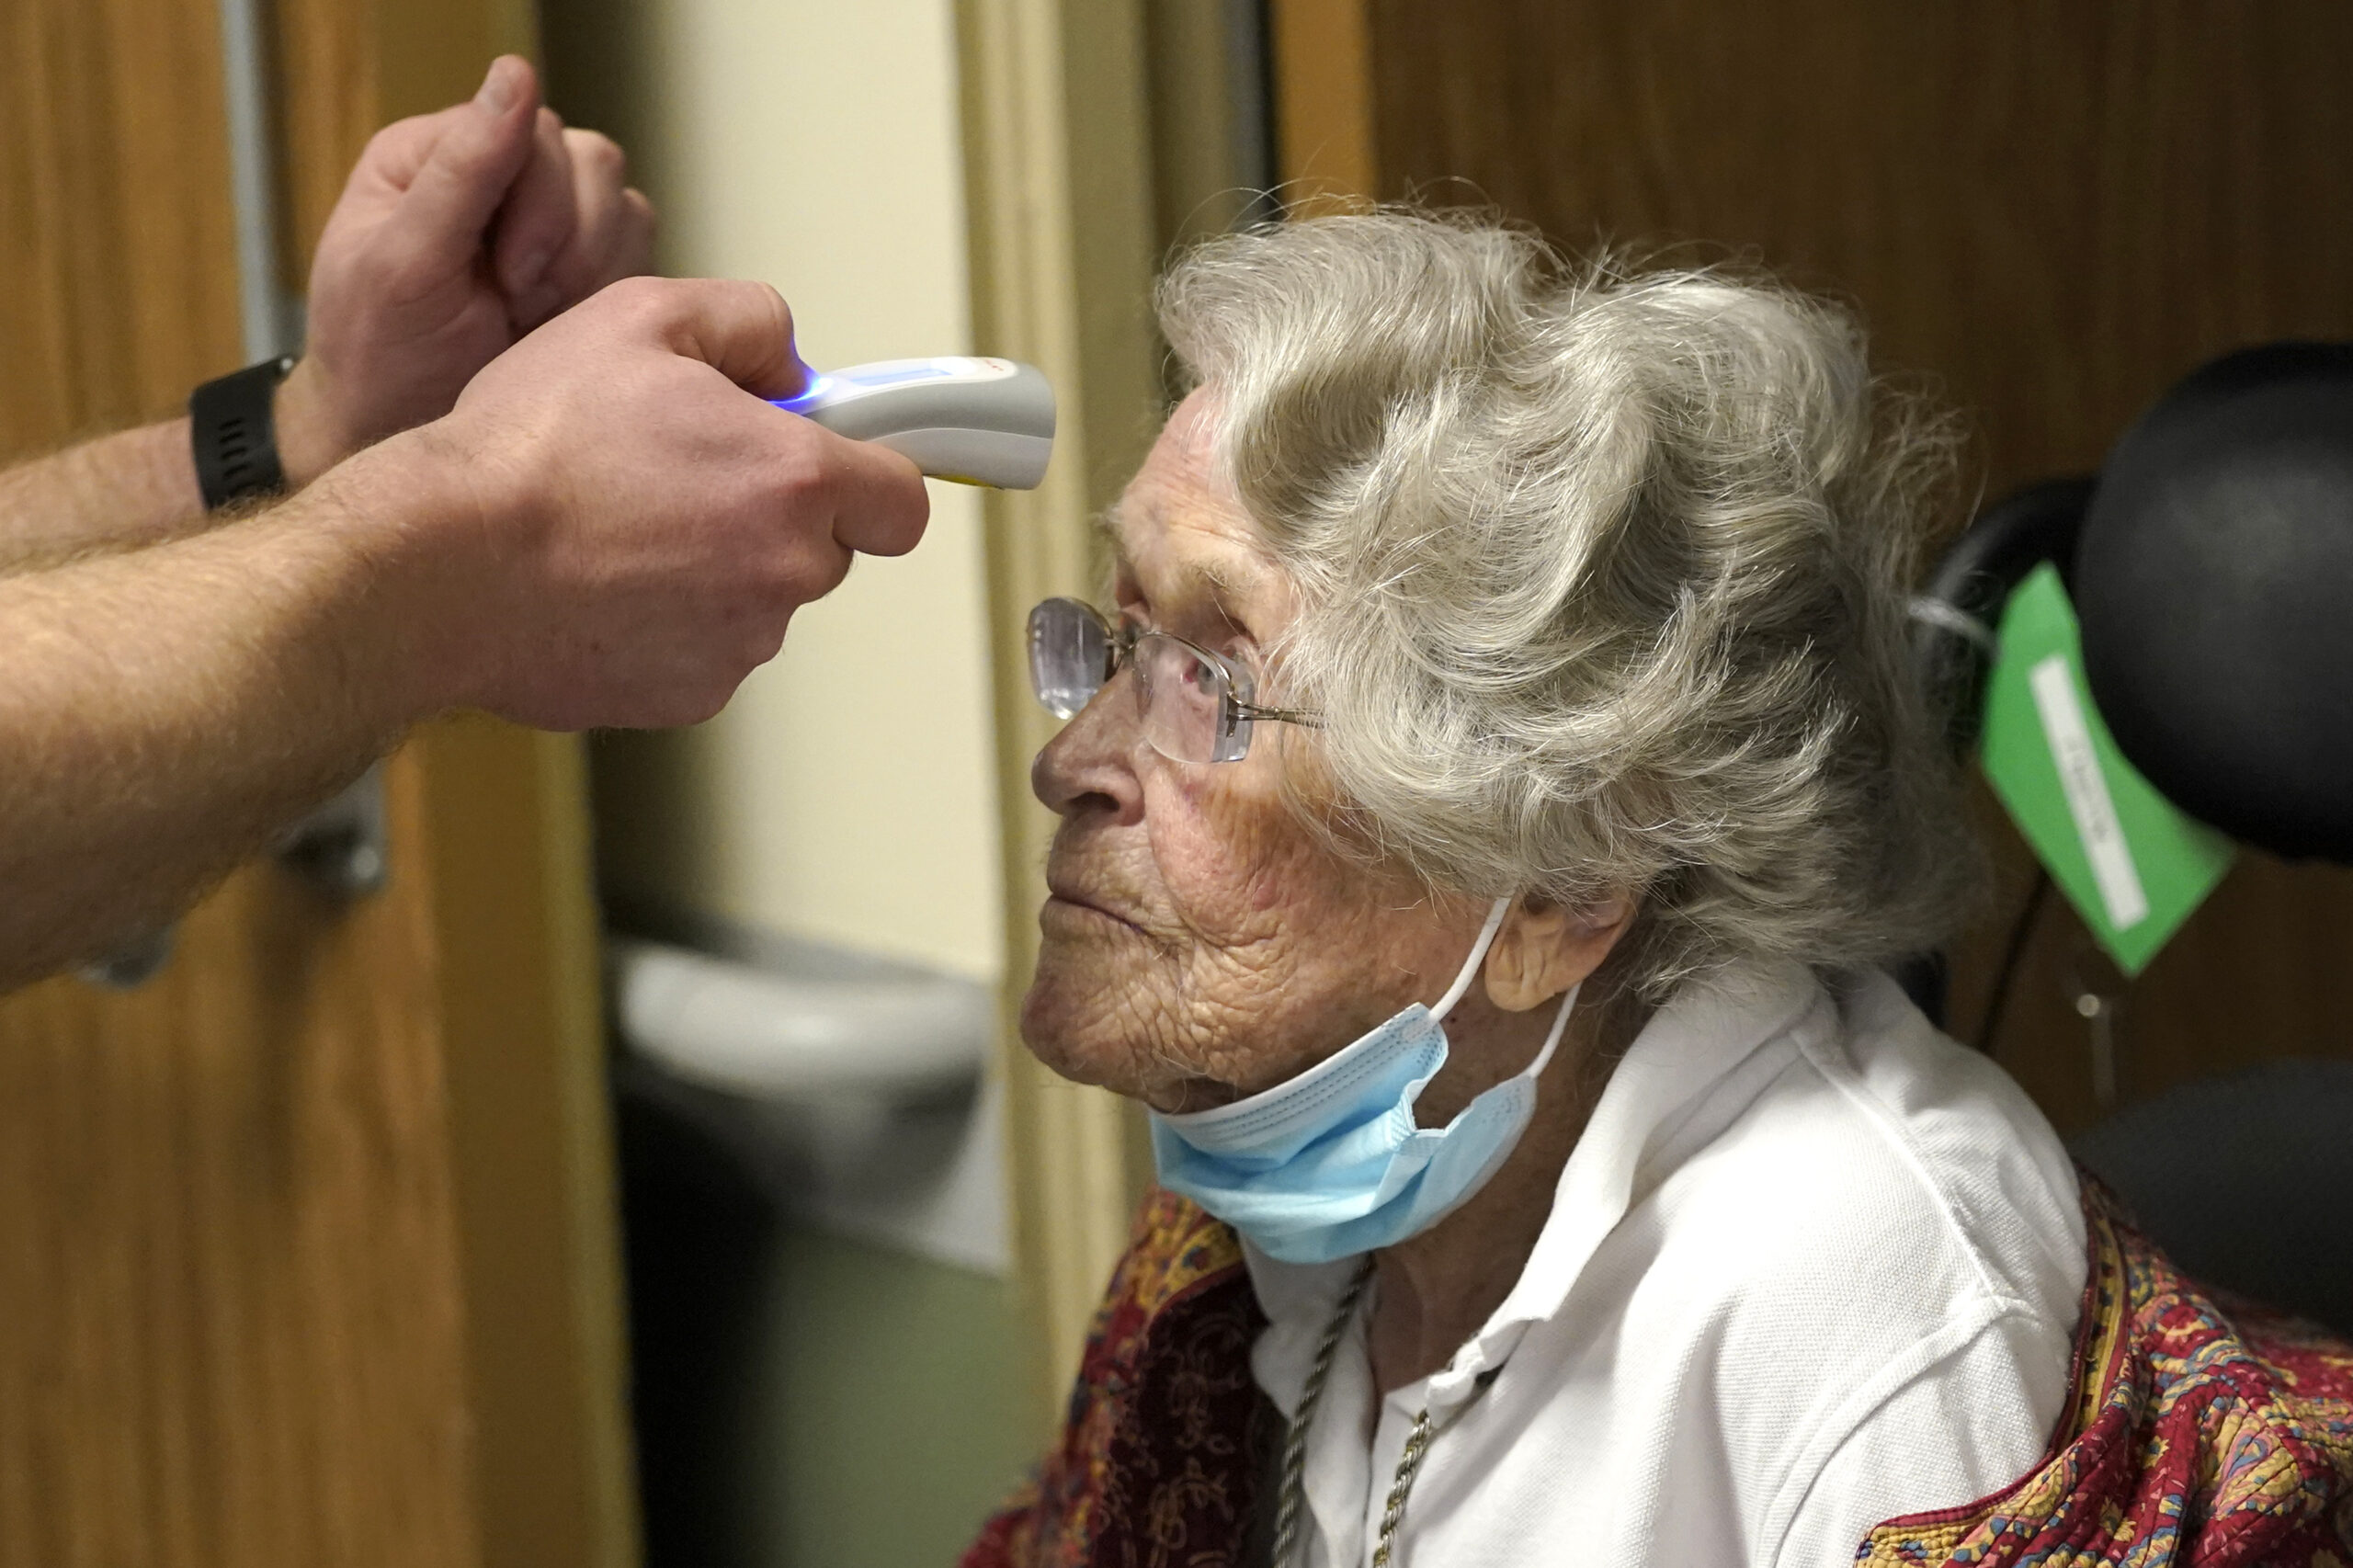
column 455, row 194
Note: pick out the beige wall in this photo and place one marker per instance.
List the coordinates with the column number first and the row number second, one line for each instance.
column 848, row 793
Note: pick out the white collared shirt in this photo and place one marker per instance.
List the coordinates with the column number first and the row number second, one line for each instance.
column 1811, row 1266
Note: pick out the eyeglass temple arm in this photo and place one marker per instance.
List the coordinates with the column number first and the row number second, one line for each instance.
column 1276, row 715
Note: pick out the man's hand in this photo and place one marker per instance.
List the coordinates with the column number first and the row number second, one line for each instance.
column 611, row 527
column 614, row 527
column 458, row 234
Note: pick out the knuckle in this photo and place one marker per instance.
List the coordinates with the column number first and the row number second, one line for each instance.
column 762, row 642
column 810, row 571
column 642, row 299
column 752, row 295
column 699, row 706
column 597, row 152
column 643, row 291
column 673, row 702
column 805, row 510
column 777, row 302
column 803, row 477
column 399, row 134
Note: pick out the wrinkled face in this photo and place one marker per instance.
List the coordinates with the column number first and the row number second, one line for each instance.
column 1199, row 943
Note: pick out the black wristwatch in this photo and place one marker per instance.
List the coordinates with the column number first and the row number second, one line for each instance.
column 235, row 434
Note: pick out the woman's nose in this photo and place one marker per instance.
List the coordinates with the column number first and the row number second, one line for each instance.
column 1090, row 765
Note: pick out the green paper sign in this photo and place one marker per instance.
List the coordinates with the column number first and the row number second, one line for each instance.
column 2133, row 865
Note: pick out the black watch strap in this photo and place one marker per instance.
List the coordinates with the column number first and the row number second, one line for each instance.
column 235, row 434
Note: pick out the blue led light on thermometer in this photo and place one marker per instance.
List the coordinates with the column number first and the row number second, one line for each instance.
column 974, row 420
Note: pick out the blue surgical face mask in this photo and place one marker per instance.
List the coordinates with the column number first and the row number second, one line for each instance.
column 1330, row 1163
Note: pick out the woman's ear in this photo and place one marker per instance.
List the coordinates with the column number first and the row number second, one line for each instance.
column 1544, row 948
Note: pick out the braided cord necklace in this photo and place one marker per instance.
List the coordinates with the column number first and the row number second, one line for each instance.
column 1409, row 1463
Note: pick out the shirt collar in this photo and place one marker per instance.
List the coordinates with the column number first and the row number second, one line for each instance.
column 1704, row 1033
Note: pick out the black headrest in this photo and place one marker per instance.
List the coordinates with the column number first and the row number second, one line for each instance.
column 1962, row 602
column 2214, row 579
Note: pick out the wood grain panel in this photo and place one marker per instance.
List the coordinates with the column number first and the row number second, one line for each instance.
column 306, row 1248
column 230, row 1306
column 115, row 229
column 230, row 1302
column 2050, row 212
column 531, row 1142
column 2054, row 209
column 506, row 849
column 1325, row 107
column 347, row 67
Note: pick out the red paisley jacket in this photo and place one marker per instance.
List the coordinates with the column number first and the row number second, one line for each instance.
column 2199, row 1432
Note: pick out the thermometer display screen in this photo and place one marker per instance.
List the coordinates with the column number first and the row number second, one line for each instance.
column 895, row 378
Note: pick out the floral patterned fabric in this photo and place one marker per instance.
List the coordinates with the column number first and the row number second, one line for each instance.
column 1155, row 1467
column 2202, row 1433
column 2199, row 1432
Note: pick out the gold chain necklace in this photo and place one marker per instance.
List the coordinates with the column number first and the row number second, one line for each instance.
column 1409, row 1463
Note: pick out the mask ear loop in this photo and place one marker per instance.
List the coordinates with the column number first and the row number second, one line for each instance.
column 1559, row 1027
column 1455, row 992
column 1462, row 986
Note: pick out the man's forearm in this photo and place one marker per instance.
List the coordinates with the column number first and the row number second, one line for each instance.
column 138, row 487
column 120, row 490
column 164, row 711
column 611, row 526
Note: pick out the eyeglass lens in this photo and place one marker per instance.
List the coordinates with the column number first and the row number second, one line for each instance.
column 1188, row 703
column 1184, row 701
column 1070, row 655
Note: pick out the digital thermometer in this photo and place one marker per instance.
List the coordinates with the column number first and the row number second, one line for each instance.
column 973, row 420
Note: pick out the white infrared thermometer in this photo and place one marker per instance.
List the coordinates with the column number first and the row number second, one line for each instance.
column 975, row 421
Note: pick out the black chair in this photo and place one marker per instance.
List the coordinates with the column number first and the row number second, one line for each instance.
column 2211, row 562
column 2246, row 1180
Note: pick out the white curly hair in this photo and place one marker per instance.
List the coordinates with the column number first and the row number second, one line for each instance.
column 1603, row 574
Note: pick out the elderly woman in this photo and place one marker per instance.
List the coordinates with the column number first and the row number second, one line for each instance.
column 1486, row 797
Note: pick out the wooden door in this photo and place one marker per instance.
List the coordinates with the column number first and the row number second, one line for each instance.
column 2053, row 212
column 306, row 1247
